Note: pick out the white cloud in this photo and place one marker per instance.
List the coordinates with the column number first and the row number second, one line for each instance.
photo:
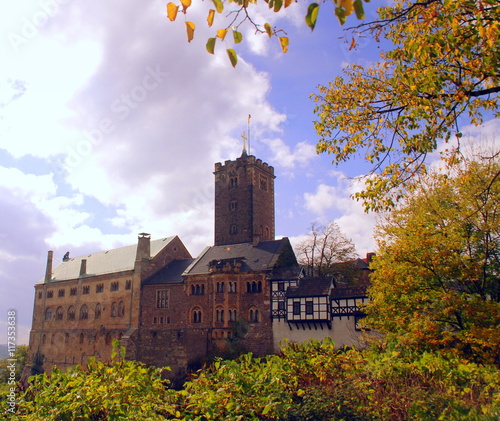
column 283, row 155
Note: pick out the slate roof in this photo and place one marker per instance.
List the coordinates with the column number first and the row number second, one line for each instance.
column 170, row 274
column 253, row 258
column 103, row 262
column 349, row 292
column 311, row 287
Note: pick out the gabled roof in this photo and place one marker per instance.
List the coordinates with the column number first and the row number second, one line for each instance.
column 311, row 287
column 262, row 257
column 103, row 262
column 170, row 274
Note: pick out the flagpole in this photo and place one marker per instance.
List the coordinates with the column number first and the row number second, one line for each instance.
column 249, row 117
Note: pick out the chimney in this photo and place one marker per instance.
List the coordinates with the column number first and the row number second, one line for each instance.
column 83, row 267
column 48, row 270
column 143, row 247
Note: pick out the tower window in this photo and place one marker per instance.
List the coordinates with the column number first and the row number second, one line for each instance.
column 233, row 205
column 233, row 230
column 263, row 183
column 233, row 182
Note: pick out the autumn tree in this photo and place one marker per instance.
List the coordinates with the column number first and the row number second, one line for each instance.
column 442, row 72
column 436, row 280
column 327, row 251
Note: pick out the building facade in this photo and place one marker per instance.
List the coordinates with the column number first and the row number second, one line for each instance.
column 246, row 293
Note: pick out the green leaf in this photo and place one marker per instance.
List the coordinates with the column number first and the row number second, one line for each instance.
column 232, row 57
column 238, row 37
column 219, row 6
column 340, row 13
column 268, row 29
column 312, row 15
column 211, row 45
column 277, row 5
column 358, row 8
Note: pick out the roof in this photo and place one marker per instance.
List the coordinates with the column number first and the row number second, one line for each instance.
column 170, row 274
column 349, row 292
column 258, row 258
column 311, row 287
column 103, row 262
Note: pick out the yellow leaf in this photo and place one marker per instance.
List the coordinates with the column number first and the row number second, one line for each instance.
column 185, row 5
column 172, row 10
column 284, row 43
column 348, row 6
column 268, row 29
column 221, row 33
column 210, row 18
column 288, row 3
column 190, row 27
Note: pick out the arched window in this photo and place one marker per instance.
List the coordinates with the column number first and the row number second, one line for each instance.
column 121, row 309
column 114, row 309
column 71, row 313
column 84, row 312
column 81, row 338
column 59, row 313
column 44, row 339
column 253, row 316
column 109, row 339
column 219, row 314
column 232, row 315
column 196, row 315
column 233, row 205
column 48, row 314
column 98, row 311
column 233, row 229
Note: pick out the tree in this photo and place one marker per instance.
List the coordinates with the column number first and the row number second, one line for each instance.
column 239, row 12
column 325, row 249
column 444, row 69
column 436, row 280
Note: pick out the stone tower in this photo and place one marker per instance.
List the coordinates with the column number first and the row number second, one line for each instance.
column 244, row 201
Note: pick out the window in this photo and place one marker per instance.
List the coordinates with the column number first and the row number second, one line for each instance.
column 198, row 289
column 71, row 313
column 296, row 308
column 50, row 294
column 254, row 287
column 128, row 284
column 48, row 314
column 114, row 309
column 162, row 298
column 232, row 315
column 232, row 286
column 281, row 286
column 39, row 295
column 281, row 305
column 84, row 312
column 72, row 291
column 86, row 289
column 99, row 288
column 196, row 315
column 121, row 309
column 309, row 307
column 253, row 316
column 59, row 313
column 233, row 229
column 98, row 311
column 155, row 320
column 263, row 183
column 114, row 286
column 233, row 182
column 220, row 287
column 61, row 292
column 219, row 315
column 233, row 205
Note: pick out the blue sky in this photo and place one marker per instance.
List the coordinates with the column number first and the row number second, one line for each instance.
column 111, row 122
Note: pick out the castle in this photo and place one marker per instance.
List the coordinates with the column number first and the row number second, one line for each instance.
column 245, row 293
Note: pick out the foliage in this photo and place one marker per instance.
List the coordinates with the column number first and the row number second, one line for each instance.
column 315, row 381
column 325, row 248
column 121, row 390
column 445, row 65
column 239, row 12
column 436, row 281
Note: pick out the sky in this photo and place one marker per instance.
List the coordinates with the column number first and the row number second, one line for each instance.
column 111, row 123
